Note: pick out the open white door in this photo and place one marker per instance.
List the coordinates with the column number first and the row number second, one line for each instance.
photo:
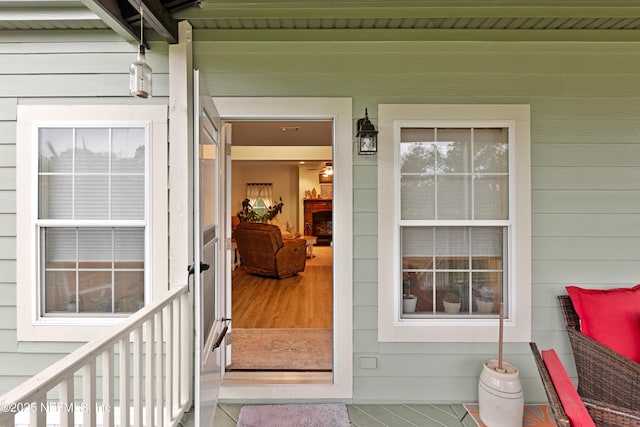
column 210, row 323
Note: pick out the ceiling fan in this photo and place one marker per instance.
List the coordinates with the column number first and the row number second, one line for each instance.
column 325, row 168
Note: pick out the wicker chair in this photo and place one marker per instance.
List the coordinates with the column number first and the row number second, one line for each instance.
column 603, row 374
column 603, row 414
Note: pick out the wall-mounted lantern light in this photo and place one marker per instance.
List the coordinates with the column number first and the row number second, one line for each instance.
column 367, row 135
column 140, row 73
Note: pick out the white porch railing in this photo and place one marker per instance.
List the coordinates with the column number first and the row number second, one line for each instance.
column 154, row 375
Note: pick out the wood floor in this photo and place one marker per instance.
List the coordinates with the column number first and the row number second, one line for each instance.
column 301, row 301
column 444, row 415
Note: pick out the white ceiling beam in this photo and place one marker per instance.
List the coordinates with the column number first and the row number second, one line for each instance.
column 48, row 14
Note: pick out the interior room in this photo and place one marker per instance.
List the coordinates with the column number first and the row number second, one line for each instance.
column 282, row 316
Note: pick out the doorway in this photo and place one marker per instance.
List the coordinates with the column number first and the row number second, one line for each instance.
column 336, row 383
column 282, row 320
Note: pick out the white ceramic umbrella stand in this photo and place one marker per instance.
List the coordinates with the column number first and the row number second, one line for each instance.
column 500, row 396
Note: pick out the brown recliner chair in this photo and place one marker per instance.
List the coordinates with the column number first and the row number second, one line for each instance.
column 264, row 252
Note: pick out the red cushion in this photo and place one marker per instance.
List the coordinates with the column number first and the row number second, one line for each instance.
column 571, row 401
column 610, row 316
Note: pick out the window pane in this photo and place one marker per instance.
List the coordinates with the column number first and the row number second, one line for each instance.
column 454, row 150
column 491, row 151
column 55, row 147
column 95, row 247
column 128, row 152
column 55, row 197
column 452, row 248
column 451, row 292
column 487, row 242
column 60, row 295
column 60, row 247
column 129, row 291
column 487, row 292
column 92, row 150
column 417, row 158
column 129, row 248
column 417, row 242
column 417, row 197
column 92, row 197
column 127, row 197
column 491, row 197
column 454, row 197
column 95, row 290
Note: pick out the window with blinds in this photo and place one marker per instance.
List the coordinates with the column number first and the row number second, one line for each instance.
column 92, row 219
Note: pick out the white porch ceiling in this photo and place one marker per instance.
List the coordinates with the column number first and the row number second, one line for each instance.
column 416, row 19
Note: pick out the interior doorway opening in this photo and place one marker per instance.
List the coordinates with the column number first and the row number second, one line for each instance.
column 283, row 325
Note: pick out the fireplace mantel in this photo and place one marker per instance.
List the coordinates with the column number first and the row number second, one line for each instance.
column 318, row 219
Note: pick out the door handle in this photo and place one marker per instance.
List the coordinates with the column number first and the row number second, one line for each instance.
column 192, row 267
column 224, row 331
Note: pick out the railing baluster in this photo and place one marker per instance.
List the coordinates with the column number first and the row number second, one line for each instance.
column 177, row 372
column 158, row 369
column 107, row 388
column 38, row 416
column 125, row 371
column 168, row 322
column 148, row 367
column 89, row 394
column 186, row 341
column 67, row 402
column 137, row 377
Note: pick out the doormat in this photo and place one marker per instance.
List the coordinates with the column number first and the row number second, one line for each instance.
column 305, row 415
column 268, row 349
column 534, row 415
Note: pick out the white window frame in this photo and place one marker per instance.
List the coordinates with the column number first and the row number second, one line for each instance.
column 517, row 325
column 31, row 325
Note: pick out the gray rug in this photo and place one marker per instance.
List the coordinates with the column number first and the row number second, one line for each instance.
column 303, row 415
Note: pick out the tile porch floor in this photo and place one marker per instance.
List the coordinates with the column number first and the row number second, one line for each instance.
column 372, row 416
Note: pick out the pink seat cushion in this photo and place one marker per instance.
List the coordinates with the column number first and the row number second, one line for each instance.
column 610, row 316
column 571, row 401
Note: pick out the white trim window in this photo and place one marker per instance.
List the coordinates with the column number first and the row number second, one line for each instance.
column 454, row 184
column 91, row 224
column 90, row 205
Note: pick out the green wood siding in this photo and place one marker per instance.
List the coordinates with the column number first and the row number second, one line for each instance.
column 51, row 67
column 585, row 103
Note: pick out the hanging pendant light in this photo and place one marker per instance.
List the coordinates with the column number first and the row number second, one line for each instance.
column 140, row 73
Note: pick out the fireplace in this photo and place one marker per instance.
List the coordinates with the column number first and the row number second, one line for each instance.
column 318, row 220
column 322, row 223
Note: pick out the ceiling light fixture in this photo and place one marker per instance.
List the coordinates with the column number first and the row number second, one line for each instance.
column 326, row 174
column 140, row 73
column 328, row 169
